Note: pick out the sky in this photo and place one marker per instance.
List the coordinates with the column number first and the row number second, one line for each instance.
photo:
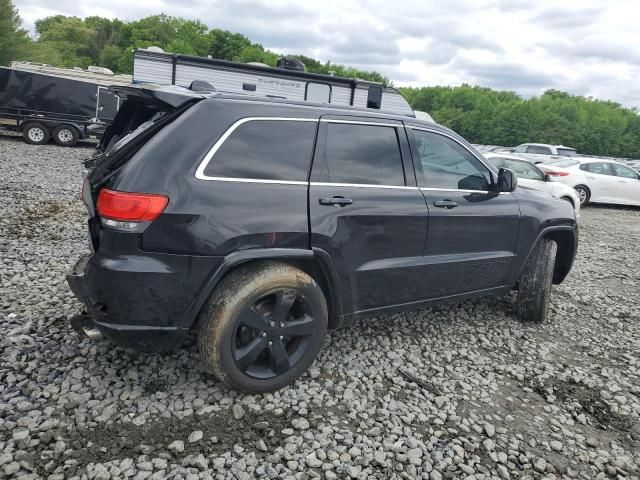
column 585, row 47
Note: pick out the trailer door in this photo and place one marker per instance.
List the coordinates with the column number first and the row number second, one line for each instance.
column 107, row 104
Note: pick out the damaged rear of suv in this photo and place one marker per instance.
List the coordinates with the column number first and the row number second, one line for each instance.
column 263, row 223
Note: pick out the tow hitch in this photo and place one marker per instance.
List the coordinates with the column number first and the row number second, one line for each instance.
column 83, row 324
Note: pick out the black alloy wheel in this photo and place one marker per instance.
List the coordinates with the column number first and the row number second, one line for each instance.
column 272, row 334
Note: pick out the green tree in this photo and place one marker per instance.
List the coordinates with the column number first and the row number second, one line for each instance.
column 226, row 45
column 14, row 40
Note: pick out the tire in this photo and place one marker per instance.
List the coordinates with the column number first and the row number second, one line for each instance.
column 241, row 340
column 534, row 285
column 66, row 136
column 584, row 194
column 35, row 133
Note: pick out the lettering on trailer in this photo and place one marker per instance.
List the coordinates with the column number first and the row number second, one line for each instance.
column 279, row 83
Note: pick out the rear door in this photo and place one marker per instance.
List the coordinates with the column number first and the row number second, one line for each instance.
column 366, row 211
column 472, row 234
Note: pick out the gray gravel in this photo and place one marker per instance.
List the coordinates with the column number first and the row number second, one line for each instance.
column 461, row 391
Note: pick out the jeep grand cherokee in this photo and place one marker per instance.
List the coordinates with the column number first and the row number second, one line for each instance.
column 263, row 223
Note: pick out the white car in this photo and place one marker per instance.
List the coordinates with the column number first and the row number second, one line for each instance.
column 530, row 176
column 597, row 180
column 543, row 152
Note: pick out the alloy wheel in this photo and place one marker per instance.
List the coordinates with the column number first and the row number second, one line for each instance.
column 272, row 334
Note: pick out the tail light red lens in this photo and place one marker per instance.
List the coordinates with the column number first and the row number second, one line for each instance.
column 130, row 207
column 557, row 174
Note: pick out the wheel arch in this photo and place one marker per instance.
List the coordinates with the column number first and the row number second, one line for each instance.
column 316, row 263
column 566, row 237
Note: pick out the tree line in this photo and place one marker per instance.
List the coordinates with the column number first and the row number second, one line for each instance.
column 481, row 115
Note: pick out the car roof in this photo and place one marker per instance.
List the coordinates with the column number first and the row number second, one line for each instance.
column 547, row 145
column 505, row 156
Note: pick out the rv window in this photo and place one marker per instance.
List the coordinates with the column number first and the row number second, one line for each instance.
column 318, row 92
column 266, row 150
column 374, row 97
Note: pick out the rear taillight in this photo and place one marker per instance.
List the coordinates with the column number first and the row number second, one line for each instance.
column 557, row 174
column 130, row 207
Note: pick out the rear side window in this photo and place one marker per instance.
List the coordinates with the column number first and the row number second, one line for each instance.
column 538, row 150
column 600, row 168
column 364, row 154
column 266, row 150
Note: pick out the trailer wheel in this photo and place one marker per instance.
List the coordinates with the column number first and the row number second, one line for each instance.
column 35, row 133
column 66, row 136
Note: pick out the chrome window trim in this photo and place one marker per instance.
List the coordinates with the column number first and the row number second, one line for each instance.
column 361, row 122
column 256, row 180
column 200, row 175
column 432, row 189
column 360, row 185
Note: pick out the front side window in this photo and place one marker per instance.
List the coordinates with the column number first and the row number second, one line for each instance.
column 520, row 149
column 446, row 164
column 600, row 168
column 362, row 154
column 266, row 150
column 622, row 171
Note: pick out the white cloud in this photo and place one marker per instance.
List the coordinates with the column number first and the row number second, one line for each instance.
column 585, row 47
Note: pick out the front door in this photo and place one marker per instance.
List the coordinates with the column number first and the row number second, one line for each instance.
column 628, row 181
column 472, row 234
column 366, row 211
column 601, row 181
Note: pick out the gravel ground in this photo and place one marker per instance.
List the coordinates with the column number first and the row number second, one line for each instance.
column 460, row 391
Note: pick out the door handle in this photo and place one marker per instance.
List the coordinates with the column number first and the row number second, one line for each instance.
column 445, row 204
column 343, row 202
column 590, row 176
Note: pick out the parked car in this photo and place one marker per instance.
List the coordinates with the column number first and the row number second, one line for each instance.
column 261, row 223
column 597, row 180
column 542, row 152
column 530, row 176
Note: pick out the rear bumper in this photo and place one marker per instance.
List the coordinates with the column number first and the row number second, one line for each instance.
column 145, row 301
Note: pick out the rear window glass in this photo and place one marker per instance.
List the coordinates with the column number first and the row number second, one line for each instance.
column 567, row 152
column 598, row 167
column 364, row 154
column 266, row 150
column 562, row 162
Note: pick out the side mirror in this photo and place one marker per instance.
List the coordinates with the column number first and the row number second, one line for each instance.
column 547, row 177
column 507, row 180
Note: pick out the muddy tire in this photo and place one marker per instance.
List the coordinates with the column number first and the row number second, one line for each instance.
column 262, row 327
column 534, row 285
column 35, row 133
column 66, row 136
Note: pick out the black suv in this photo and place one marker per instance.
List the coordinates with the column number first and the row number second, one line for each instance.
column 262, row 223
